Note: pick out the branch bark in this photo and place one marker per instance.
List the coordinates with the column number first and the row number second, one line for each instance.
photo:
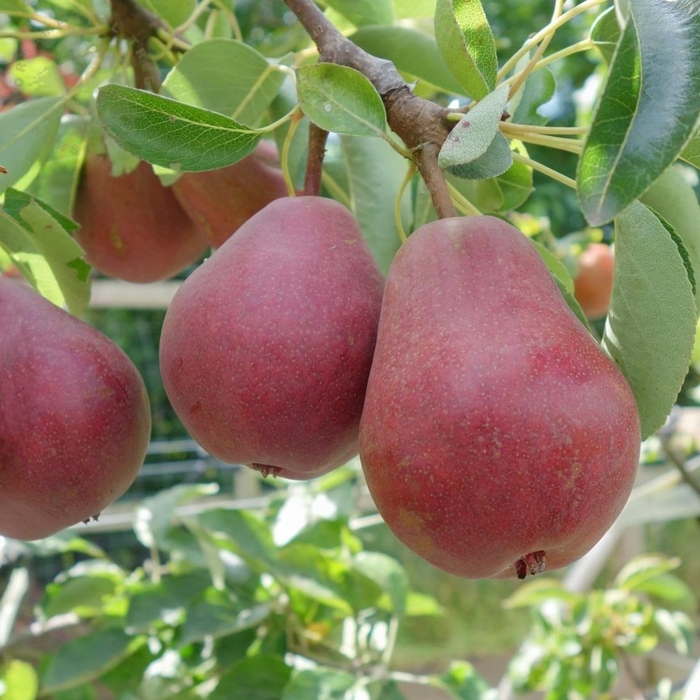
column 419, row 123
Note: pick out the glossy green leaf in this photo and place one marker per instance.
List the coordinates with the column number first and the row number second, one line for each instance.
column 319, row 682
column 37, row 77
column 340, row 99
column 474, row 132
column 466, row 42
column 539, row 89
column 38, row 239
column 361, row 12
column 674, row 199
column 648, row 108
column 411, row 51
column 494, row 162
column 57, row 181
column 605, row 33
column 203, row 78
column 174, row 12
column 27, row 133
column 18, row 681
column 257, row 678
column 87, row 658
column 691, row 153
column 172, row 134
column 374, row 173
column 650, row 329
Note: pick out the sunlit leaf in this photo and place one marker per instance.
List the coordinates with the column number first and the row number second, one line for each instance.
column 361, row 12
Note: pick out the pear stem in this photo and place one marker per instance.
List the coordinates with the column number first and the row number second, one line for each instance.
column 314, row 161
column 418, row 122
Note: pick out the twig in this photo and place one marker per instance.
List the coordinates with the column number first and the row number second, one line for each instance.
column 418, row 122
column 314, row 161
column 678, row 463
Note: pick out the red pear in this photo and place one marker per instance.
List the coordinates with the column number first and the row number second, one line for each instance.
column 497, row 438
column 220, row 201
column 594, row 280
column 74, row 417
column 131, row 226
column 267, row 345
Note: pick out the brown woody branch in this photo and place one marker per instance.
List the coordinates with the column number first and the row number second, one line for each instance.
column 419, row 123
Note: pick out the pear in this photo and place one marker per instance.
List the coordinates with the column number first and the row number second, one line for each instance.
column 267, row 346
column 131, row 226
column 74, row 417
column 220, row 201
column 497, row 438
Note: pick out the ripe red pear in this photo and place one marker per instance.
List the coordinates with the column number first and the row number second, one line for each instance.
column 497, row 438
column 220, row 201
column 266, row 347
column 131, row 226
column 594, row 280
column 74, row 417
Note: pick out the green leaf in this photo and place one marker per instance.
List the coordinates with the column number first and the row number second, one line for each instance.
column 573, row 304
column 245, row 533
column 205, row 619
column 385, row 690
column 474, row 132
column 14, row 6
column 174, row 12
column 37, row 237
column 674, row 199
column 340, row 99
column 466, row 42
column 374, row 173
column 422, row 605
column 496, row 161
column 643, row 568
column 414, row 9
column 320, row 682
column 61, row 543
column 463, row 682
column 57, row 181
column 679, row 627
column 37, row 77
column 691, row 153
column 361, row 12
column 257, row 678
column 82, row 595
column 18, row 681
column 411, row 51
column 650, row 329
column 202, row 78
column 648, row 108
column 605, row 33
column 172, row 134
column 87, row 658
column 670, row 588
column 556, row 266
column 516, row 186
column 388, row 574
column 539, row 89
column 154, row 516
column 27, row 133
column 534, row 592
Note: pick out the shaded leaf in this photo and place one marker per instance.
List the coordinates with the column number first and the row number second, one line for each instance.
column 257, row 678
column 515, row 185
column 691, row 153
column 539, row 89
column 494, row 162
column 605, row 33
column 648, row 108
column 463, row 682
column 466, row 42
column 388, row 574
column 203, row 78
column 361, row 12
column 411, row 51
column 174, row 12
column 320, row 682
column 340, row 99
column 87, row 658
column 643, row 568
column 37, row 77
column 206, row 619
column 650, row 329
column 172, row 134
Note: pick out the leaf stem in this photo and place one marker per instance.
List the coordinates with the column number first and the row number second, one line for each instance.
column 410, row 172
column 558, row 142
column 461, row 202
column 545, row 170
column 296, row 117
column 543, row 33
column 55, row 33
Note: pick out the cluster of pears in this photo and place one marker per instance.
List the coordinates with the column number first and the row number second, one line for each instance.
column 134, row 228
column 496, row 437
column 75, row 419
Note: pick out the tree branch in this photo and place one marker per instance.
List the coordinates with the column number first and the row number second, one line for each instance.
column 418, row 122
